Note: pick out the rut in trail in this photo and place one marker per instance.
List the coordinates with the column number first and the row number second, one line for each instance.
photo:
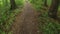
column 26, row 22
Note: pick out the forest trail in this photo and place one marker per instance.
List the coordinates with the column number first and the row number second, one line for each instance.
column 26, row 22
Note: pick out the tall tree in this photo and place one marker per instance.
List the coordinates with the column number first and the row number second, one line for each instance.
column 45, row 3
column 13, row 4
column 53, row 9
column 3, row 2
column 6, row 2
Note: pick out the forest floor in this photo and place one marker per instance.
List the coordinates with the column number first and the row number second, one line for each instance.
column 26, row 22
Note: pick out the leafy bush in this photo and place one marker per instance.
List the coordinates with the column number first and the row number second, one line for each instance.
column 46, row 24
column 7, row 17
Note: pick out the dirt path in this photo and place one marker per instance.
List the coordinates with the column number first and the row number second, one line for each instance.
column 26, row 22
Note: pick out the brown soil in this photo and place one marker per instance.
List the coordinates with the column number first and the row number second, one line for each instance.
column 26, row 22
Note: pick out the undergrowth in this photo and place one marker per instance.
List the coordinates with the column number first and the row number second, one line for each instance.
column 46, row 25
column 7, row 16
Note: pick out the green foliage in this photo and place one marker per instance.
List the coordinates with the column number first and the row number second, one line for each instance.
column 46, row 24
column 37, row 3
column 7, row 16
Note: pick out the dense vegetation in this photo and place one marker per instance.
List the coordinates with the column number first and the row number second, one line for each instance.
column 47, row 25
column 7, row 16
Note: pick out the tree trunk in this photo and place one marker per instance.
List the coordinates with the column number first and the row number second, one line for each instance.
column 53, row 9
column 45, row 3
column 13, row 5
column 6, row 2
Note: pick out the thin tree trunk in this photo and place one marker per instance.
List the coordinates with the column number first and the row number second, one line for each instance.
column 45, row 3
column 13, row 4
column 53, row 9
column 6, row 2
